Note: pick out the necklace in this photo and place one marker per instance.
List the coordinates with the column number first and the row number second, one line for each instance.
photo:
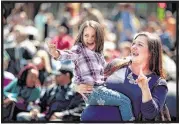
column 131, row 78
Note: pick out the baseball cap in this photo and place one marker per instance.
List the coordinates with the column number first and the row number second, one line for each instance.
column 63, row 69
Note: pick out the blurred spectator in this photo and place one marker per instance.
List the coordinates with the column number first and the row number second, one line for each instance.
column 89, row 13
column 22, row 50
column 171, row 83
column 8, row 77
column 170, row 21
column 14, row 18
column 42, row 61
column 152, row 27
column 22, row 39
column 63, row 40
column 57, row 96
column 22, row 90
column 170, row 70
column 32, row 33
column 36, row 107
column 166, row 37
column 70, row 18
column 52, row 26
column 127, row 22
column 40, row 20
column 110, row 51
column 125, row 49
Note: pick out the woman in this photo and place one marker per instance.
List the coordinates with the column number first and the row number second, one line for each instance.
column 42, row 61
column 24, row 89
column 135, row 81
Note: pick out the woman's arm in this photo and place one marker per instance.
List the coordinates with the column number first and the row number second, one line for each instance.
column 151, row 102
column 152, row 107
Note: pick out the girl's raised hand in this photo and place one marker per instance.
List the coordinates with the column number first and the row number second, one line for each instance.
column 52, row 49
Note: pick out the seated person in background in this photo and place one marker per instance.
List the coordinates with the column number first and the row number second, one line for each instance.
column 22, row 90
column 125, row 49
column 8, row 76
column 57, row 97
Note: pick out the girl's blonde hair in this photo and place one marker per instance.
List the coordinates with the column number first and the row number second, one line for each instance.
column 44, row 55
column 99, row 34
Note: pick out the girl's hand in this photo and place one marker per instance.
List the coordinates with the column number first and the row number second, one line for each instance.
column 84, row 88
column 142, row 80
column 52, row 49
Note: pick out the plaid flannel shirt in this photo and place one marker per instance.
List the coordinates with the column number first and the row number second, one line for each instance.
column 89, row 65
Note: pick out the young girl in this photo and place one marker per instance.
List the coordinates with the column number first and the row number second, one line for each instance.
column 89, row 68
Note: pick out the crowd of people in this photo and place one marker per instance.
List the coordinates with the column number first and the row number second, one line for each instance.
column 41, row 83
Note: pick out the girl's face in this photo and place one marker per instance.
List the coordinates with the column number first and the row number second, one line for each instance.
column 89, row 38
column 139, row 50
column 32, row 78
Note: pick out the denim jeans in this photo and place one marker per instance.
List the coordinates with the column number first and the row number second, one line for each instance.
column 103, row 96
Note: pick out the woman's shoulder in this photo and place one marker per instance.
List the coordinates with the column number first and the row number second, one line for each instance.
column 162, row 81
column 157, row 81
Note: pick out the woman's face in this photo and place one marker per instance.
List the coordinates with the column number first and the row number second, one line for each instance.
column 32, row 77
column 89, row 38
column 139, row 50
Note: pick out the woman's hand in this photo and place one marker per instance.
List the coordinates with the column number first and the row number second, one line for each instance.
column 142, row 80
column 52, row 49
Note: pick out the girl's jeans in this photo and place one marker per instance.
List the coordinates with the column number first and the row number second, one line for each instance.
column 103, row 96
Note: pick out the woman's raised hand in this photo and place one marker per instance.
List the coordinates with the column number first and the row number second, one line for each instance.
column 142, row 80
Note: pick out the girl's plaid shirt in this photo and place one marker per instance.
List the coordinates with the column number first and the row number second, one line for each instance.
column 89, row 65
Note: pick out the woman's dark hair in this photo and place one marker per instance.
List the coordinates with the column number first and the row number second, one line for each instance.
column 155, row 49
column 22, row 76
